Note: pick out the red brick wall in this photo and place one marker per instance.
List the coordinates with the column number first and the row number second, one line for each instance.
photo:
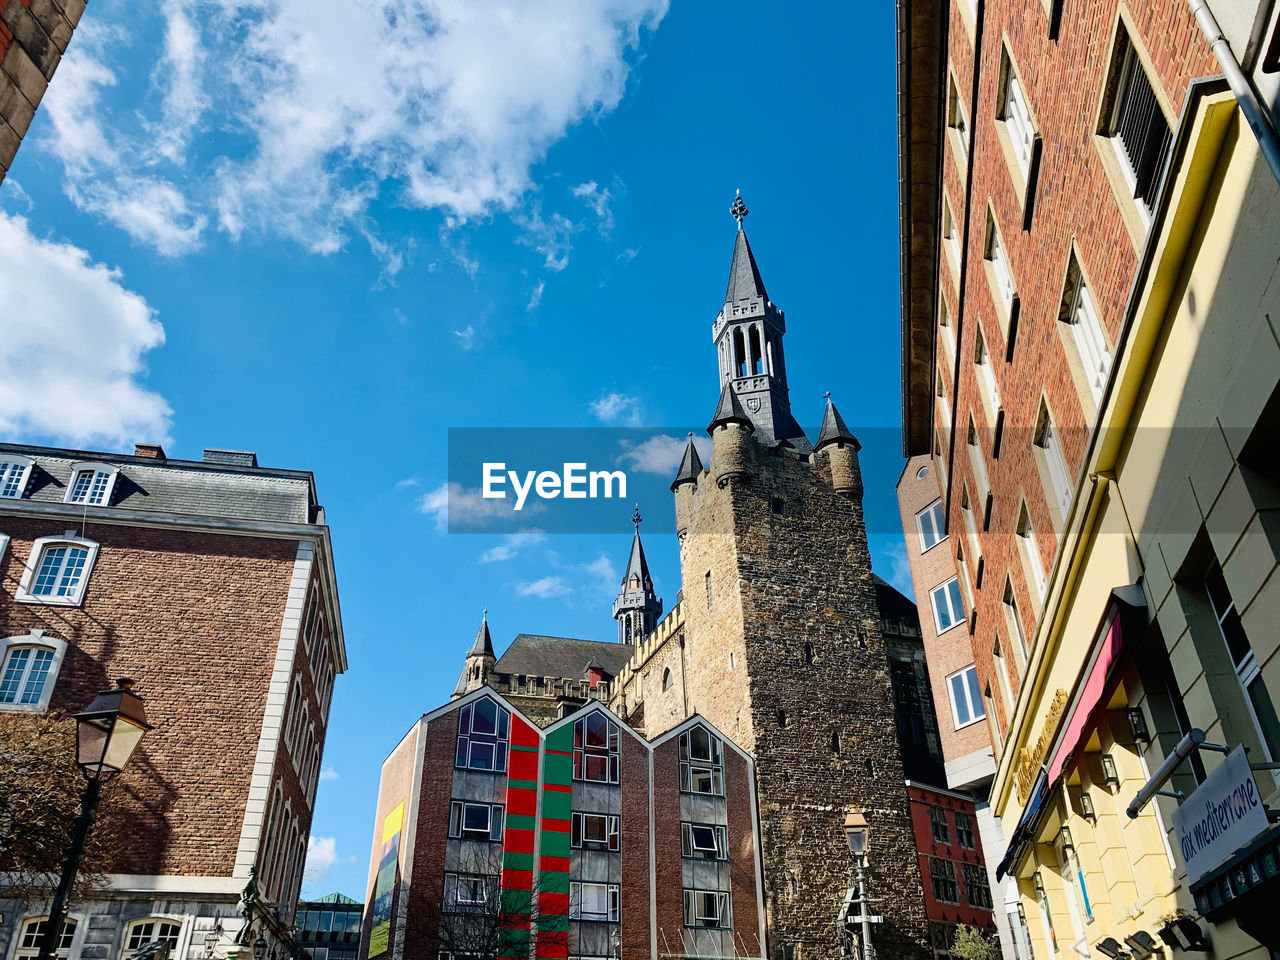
column 432, row 831
column 921, row 801
column 195, row 619
column 33, row 38
column 1074, row 200
column 635, row 850
column 667, row 868
column 742, row 850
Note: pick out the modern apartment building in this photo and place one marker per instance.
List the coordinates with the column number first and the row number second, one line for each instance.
column 211, row 584
column 1090, row 368
column 496, row 837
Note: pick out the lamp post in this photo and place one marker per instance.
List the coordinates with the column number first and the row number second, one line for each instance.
column 107, row 733
column 858, row 832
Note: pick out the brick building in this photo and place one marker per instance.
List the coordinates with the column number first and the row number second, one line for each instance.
column 33, row 37
column 497, row 837
column 949, row 846
column 1089, row 367
column 211, row 584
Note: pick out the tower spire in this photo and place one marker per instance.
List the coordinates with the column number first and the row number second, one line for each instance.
column 637, row 608
column 748, row 336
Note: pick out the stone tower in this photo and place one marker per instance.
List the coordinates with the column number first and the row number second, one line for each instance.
column 637, row 608
column 480, row 660
column 782, row 638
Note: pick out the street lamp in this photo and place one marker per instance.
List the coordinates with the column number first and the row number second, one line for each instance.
column 858, row 831
column 260, row 947
column 107, row 733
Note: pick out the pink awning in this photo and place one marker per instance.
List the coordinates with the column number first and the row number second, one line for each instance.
column 1090, row 695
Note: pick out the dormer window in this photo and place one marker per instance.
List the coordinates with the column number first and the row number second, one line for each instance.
column 58, row 570
column 15, row 472
column 91, row 483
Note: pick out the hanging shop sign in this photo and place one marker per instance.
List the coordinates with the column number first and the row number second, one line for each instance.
column 1223, row 814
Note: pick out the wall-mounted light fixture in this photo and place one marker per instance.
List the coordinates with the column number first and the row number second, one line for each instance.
column 1138, row 725
column 1109, row 773
column 1111, row 947
column 1086, row 808
column 1038, row 882
column 1064, row 840
column 1142, row 944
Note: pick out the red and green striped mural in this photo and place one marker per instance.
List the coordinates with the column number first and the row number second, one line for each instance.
column 553, row 885
column 519, row 838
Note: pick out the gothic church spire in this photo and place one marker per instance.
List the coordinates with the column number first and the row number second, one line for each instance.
column 637, row 608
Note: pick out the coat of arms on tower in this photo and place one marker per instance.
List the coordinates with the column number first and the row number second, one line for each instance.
column 753, row 404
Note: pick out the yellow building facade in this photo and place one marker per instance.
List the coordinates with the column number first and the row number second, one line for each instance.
column 1162, row 613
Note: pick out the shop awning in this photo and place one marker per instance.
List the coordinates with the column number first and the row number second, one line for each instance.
column 1020, row 839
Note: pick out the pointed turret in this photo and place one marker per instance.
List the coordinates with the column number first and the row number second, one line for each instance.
column 748, row 336
column 479, row 663
column 840, row 447
column 690, row 466
column 728, row 410
column 834, row 429
column 637, row 608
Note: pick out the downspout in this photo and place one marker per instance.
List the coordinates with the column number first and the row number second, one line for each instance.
column 1268, row 142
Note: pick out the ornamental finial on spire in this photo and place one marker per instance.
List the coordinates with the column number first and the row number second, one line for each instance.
column 739, row 209
column 636, row 518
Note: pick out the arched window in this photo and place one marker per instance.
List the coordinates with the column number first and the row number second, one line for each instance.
column 58, row 571
column 757, row 367
column 666, row 679
column 739, row 353
column 28, row 671
column 15, row 473
column 142, row 933
column 626, row 620
column 33, row 935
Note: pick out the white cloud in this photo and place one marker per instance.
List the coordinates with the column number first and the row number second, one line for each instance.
column 536, row 297
column 553, row 238
column 626, row 256
column 661, row 454
column 466, row 338
column 597, row 198
column 893, row 552
column 316, row 111
column 546, row 588
column 322, row 856
column 72, row 342
column 511, row 545
column 408, row 482
column 617, row 408
column 328, row 773
column 454, row 503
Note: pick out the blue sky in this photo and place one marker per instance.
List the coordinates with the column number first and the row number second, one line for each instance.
column 329, row 233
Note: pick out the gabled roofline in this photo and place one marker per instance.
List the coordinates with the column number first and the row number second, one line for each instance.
column 698, row 720
column 591, row 706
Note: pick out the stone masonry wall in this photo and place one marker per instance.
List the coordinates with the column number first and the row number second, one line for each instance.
column 195, row 619
column 794, row 621
column 33, row 37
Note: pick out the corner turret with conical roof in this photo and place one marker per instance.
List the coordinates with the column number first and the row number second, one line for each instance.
column 748, row 337
column 841, row 447
column 479, row 663
column 637, row 608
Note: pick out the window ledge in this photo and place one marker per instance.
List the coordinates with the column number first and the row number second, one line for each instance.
column 942, row 541
column 1021, row 179
column 23, row 597
column 965, row 726
column 23, row 708
column 1134, row 217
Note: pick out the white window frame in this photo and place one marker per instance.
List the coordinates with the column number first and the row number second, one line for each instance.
column 1129, row 64
column 957, row 122
column 999, row 655
column 612, row 898
column 938, row 517
column 38, row 548
column 612, row 831
column 693, row 901
column 459, row 830
column 1092, row 348
column 997, row 255
column 986, row 373
column 14, row 466
column 947, row 329
column 694, row 769
column 1017, row 119
column 34, row 639
column 958, row 614
column 1031, row 553
column 691, row 850
column 176, row 950
column 112, row 473
column 1247, row 669
column 951, row 232
column 21, row 952
column 1014, row 618
column 976, row 709
column 4, row 545
column 1061, row 488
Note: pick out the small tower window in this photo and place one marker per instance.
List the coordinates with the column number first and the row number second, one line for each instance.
column 835, row 741
column 757, row 364
column 776, row 506
column 808, row 653
column 666, row 679
column 739, row 354
column 871, row 768
column 711, row 602
column 782, row 718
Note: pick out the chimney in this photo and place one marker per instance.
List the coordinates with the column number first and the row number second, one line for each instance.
column 152, row 451
column 231, row 458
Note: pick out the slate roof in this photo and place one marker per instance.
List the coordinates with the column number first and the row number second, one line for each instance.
column 191, row 488
column 729, row 410
column 534, row 655
column 690, row 466
column 744, row 276
column 834, row 428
